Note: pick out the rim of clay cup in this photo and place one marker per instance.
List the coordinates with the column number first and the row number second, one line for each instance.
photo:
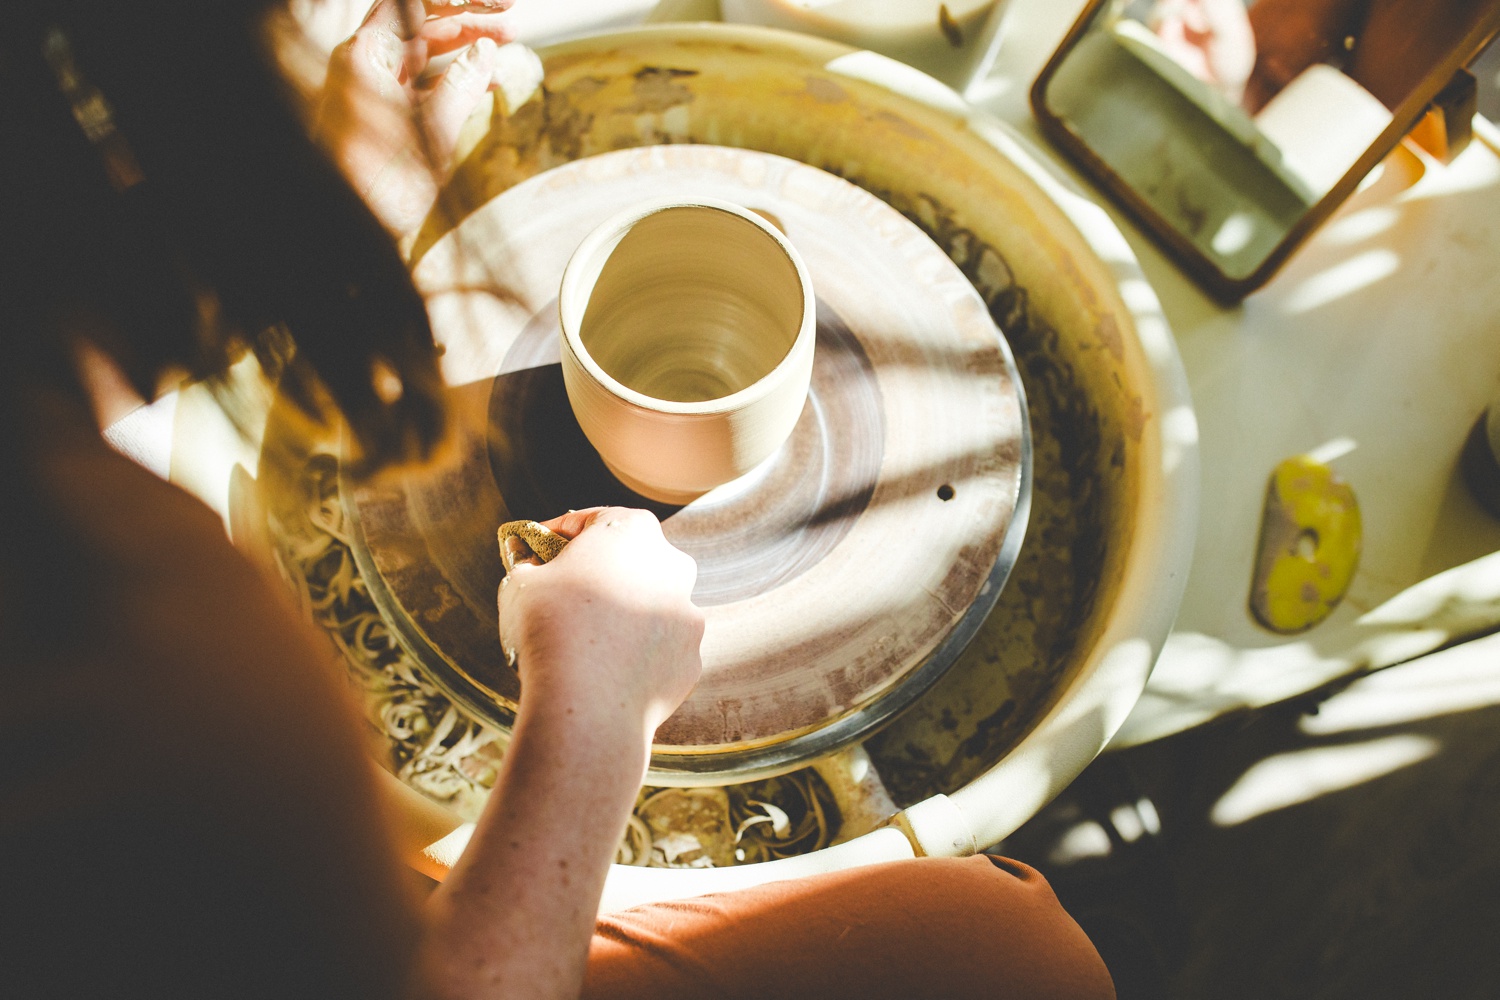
column 609, row 233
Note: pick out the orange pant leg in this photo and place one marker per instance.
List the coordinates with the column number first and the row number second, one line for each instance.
column 934, row 927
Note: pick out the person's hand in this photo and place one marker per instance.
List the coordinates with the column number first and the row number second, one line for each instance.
column 609, row 625
column 393, row 138
column 1211, row 39
column 607, row 639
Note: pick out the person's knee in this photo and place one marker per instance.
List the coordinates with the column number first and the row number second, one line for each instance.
column 956, row 928
column 996, row 922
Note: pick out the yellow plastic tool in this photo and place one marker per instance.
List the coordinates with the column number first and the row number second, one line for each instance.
column 1310, row 540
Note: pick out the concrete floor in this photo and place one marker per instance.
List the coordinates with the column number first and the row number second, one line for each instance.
column 1346, row 845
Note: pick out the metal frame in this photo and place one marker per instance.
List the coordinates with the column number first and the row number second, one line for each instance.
column 1198, row 266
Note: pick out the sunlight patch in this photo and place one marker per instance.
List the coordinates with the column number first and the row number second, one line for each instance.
column 1303, row 775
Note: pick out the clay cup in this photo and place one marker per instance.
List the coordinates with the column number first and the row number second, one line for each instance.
column 687, row 343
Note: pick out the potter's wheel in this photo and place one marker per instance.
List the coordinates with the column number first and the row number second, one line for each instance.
column 840, row 579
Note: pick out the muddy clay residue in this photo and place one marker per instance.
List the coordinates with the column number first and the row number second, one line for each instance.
column 990, row 698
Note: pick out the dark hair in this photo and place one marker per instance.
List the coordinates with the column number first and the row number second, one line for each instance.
column 156, row 179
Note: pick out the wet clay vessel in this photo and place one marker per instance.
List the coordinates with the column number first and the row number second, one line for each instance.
column 687, row 343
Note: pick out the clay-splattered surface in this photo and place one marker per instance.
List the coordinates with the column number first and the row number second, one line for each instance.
column 993, row 694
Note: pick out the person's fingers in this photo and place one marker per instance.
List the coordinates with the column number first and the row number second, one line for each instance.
column 458, row 91
column 405, row 18
column 574, row 521
column 402, row 18
column 373, row 58
column 451, row 24
column 456, row 8
column 506, row 601
column 447, row 34
column 668, row 563
column 518, row 552
column 627, row 517
column 687, row 566
column 387, row 45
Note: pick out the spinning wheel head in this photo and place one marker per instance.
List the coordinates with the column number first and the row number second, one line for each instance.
column 840, row 577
